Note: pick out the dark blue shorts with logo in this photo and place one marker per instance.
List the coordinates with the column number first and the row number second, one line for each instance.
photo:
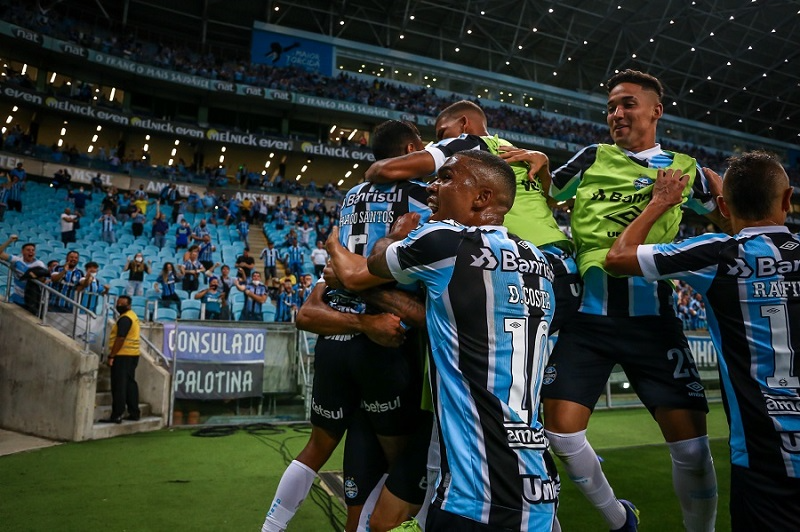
column 652, row 350
column 353, row 372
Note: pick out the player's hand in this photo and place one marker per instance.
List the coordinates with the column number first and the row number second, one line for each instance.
column 403, row 226
column 535, row 159
column 384, row 329
column 333, row 240
column 329, row 274
column 714, row 182
column 668, row 190
column 110, row 361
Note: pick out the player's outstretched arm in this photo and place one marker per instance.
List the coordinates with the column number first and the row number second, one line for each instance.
column 622, row 258
column 317, row 317
column 412, row 165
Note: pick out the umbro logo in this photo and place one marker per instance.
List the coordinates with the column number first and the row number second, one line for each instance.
column 485, row 260
column 695, row 387
column 740, row 269
column 790, row 245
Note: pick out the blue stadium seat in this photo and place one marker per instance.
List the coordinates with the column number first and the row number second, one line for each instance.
column 166, row 314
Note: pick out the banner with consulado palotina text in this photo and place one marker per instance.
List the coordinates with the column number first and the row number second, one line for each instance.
column 213, row 362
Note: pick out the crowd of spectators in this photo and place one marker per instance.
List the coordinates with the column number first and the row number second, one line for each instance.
column 414, row 100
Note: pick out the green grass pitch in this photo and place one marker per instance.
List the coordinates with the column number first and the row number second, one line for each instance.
column 172, row 481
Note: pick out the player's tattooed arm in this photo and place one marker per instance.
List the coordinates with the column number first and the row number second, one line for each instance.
column 376, row 262
column 410, row 307
column 318, row 317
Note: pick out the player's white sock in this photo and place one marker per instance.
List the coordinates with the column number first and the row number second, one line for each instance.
column 292, row 490
column 369, row 505
column 695, row 482
column 584, row 469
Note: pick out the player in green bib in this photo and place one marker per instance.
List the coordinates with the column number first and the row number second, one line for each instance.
column 628, row 320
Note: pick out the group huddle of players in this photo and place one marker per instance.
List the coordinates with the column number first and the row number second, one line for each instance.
column 434, row 316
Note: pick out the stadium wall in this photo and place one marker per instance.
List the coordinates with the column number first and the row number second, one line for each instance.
column 48, row 385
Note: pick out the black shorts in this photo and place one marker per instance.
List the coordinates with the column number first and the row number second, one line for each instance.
column 364, row 462
column 357, row 373
column 408, row 479
column 652, row 350
column 567, row 286
column 763, row 502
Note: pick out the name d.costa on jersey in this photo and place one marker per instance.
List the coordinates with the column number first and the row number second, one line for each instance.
column 367, row 217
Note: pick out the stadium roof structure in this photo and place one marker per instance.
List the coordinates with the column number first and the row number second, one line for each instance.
column 730, row 63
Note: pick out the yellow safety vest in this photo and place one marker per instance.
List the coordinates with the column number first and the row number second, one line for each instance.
column 130, row 348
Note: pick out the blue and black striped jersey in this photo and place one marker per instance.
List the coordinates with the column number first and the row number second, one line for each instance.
column 752, row 284
column 490, row 302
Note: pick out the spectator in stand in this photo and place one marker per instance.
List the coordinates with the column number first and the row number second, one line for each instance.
column 286, row 309
column 137, row 222
column 695, row 305
column 160, row 228
column 244, row 229
column 109, row 203
column 319, row 257
column 279, row 218
column 191, row 270
column 225, row 279
column 182, row 235
column 108, row 227
column 20, row 173
column 4, row 191
column 294, row 258
column 91, row 287
column 97, row 184
column 270, row 257
column 136, row 268
column 66, row 279
column 245, row 208
column 305, row 235
column 79, row 200
column 68, row 221
column 199, row 231
column 214, row 299
column 14, row 196
column 245, row 264
column 166, row 285
column 204, row 252
column 304, row 288
column 255, row 295
column 140, row 193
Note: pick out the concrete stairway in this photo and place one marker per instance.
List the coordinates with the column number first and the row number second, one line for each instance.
column 102, row 410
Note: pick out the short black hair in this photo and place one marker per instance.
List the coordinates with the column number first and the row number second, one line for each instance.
column 26, row 244
column 494, row 169
column 124, row 296
column 752, row 182
column 390, row 138
column 461, row 107
column 91, row 264
column 637, row 77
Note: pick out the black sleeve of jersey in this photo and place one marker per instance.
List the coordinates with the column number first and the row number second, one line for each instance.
column 575, row 166
column 450, row 147
column 700, row 191
column 416, row 191
column 692, row 258
column 430, row 248
column 124, row 325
